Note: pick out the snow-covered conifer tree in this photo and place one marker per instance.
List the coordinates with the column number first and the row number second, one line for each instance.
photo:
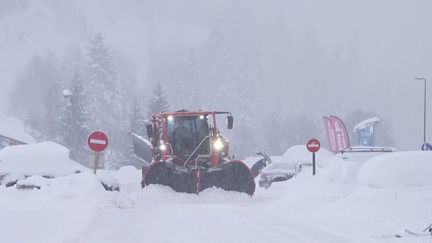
column 74, row 119
column 189, row 90
column 137, row 119
column 105, row 99
column 158, row 102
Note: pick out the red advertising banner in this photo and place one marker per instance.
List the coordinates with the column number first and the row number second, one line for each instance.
column 331, row 135
column 337, row 134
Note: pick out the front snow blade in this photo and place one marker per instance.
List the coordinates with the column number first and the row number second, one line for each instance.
column 169, row 174
column 231, row 176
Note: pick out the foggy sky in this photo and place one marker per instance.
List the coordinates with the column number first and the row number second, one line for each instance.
column 390, row 40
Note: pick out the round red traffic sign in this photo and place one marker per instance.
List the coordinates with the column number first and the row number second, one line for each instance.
column 313, row 145
column 97, row 141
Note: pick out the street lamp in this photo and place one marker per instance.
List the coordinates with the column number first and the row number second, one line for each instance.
column 67, row 94
column 424, row 109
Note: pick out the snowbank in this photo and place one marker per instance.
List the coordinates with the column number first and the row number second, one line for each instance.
column 295, row 154
column 412, row 168
column 46, row 158
column 126, row 178
column 344, row 171
column 301, row 152
column 14, row 128
column 61, row 211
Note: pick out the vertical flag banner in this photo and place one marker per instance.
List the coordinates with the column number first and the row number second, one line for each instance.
column 342, row 137
column 337, row 134
column 331, row 135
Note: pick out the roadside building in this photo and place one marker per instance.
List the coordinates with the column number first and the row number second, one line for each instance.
column 12, row 132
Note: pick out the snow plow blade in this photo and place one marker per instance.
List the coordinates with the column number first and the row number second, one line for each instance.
column 142, row 147
column 169, row 174
column 231, row 176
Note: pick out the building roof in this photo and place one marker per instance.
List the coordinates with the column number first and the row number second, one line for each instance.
column 13, row 128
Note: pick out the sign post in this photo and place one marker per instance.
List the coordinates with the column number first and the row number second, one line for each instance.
column 98, row 142
column 313, row 145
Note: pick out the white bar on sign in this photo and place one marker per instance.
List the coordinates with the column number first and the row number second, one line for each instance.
column 97, row 141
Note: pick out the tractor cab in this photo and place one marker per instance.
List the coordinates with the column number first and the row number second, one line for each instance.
column 187, row 137
column 187, row 133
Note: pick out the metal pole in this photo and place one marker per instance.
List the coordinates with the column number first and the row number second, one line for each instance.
column 96, row 162
column 424, row 109
column 424, row 113
column 313, row 164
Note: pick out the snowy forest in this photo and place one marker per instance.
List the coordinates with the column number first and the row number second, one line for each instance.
column 272, row 70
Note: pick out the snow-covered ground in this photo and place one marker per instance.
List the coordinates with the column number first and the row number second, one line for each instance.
column 345, row 202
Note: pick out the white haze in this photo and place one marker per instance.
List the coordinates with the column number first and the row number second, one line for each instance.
column 387, row 42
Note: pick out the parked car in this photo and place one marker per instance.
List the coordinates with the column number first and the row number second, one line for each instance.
column 47, row 160
column 270, row 170
column 361, row 154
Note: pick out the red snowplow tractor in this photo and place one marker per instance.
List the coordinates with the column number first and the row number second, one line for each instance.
column 190, row 155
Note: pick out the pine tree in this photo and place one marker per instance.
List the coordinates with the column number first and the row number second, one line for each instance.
column 103, row 85
column 137, row 119
column 105, row 100
column 37, row 96
column 158, row 102
column 137, row 125
column 188, row 93
column 51, row 126
column 74, row 118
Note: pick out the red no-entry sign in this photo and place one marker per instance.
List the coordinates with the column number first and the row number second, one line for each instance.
column 97, row 141
column 313, row 145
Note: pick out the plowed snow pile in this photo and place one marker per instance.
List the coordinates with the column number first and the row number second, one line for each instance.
column 47, row 158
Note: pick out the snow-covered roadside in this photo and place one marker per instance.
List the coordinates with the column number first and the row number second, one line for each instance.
column 68, row 199
column 392, row 194
column 60, row 211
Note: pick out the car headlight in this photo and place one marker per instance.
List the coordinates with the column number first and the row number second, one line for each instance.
column 218, row 144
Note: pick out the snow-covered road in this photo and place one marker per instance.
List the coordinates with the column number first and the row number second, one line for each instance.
column 305, row 209
column 156, row 215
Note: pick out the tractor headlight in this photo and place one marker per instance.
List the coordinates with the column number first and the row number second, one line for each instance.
column 170, row 118
column 162, row 145
column 218, row 144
